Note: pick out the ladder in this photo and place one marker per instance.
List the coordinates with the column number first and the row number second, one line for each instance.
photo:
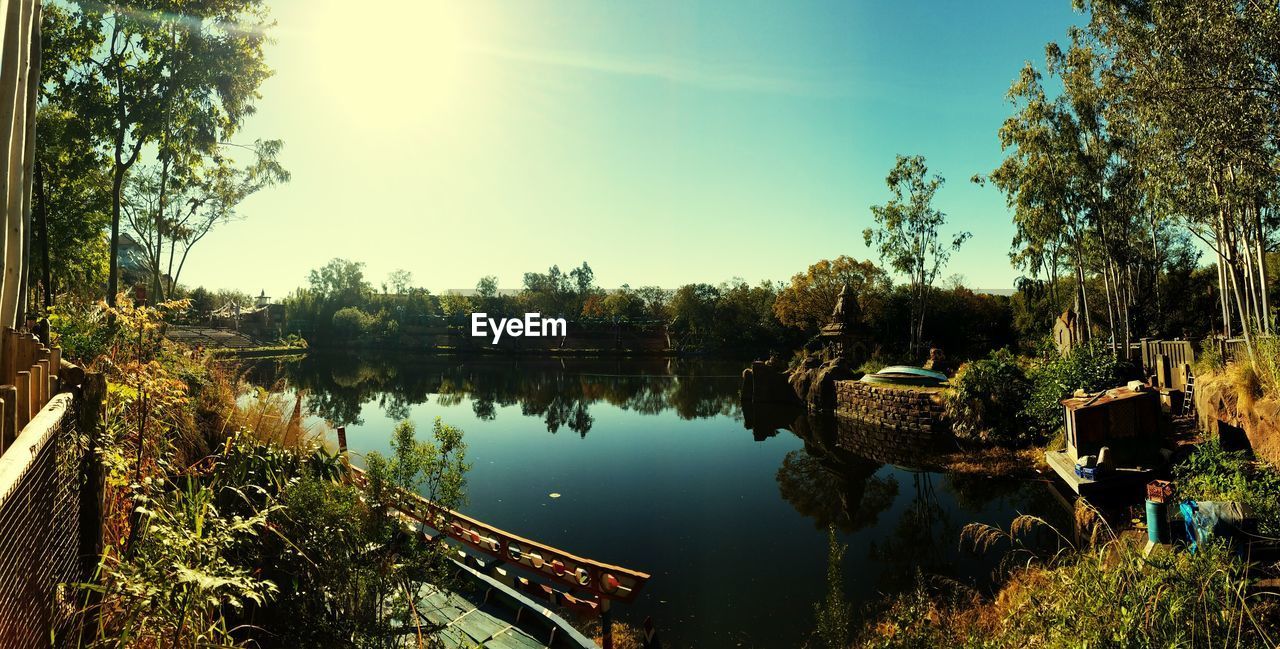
column 1189, row 395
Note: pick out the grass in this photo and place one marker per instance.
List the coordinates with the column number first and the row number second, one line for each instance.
column 1102, row 593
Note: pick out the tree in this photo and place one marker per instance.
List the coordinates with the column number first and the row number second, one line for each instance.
column 340, row 280
column 400, row 280
column 907, row 237
column 72, row 184
column 178, row 75
column 807, row 302
column 1196, row 83
column 164, row 211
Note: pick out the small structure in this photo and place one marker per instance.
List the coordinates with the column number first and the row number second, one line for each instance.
column 1067, row 331
column 1115, row 433
column 844, row 338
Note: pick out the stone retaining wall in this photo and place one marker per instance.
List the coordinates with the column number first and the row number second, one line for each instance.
column 1219, row 409
column 900, row 409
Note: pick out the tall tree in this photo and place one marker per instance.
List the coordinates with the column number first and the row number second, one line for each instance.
column 180, row 75
column 908, row 237
column 1199, row 81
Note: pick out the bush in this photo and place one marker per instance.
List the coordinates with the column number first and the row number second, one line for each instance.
column 1090, row 367
column 1266, row 363
column 351, row 321
column 80, row 330
column 1109, row 595
column 988, row 398
column 1214, row 473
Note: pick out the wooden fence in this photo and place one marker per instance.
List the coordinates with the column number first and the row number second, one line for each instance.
column 29, row 377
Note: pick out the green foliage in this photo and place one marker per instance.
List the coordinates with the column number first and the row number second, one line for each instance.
column 1266, row 363
column 178, row 580
column 1091, row 367
column 807, row 301
column 1209, row 359
column 352, row 322
column 833, row 613
column 907, row 237
column 988, row 400
column 80, row 329
column 1214, row 473
column 1110, row 595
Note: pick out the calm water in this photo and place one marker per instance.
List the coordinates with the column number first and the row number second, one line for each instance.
column 658, row 471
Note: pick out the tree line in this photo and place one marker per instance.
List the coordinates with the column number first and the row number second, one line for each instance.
column 1165, row 134
column 137, row 155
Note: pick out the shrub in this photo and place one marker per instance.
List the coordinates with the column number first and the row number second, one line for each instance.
column 1214, row 473
column 351, row 321
column 1090, row 367
column 1105, row 595
column 988, row 398
column 80, row 330
column 1209, row 359
column 1266, row 363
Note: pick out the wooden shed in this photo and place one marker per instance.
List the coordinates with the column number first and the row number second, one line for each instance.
column 1126, row 421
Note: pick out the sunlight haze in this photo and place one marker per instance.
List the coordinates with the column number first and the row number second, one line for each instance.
column 662, row 143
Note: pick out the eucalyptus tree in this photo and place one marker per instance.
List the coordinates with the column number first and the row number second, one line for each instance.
column 1202, row 77
column 179, row 76
column 908, row 237
column 1076, row 180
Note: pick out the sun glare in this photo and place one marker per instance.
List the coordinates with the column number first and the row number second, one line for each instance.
column 395, row 64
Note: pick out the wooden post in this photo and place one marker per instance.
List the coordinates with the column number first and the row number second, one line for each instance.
column 9, row 426
column 8, row 355
column 38, row 384
column 91, row 392
column 606, row 624
column 43, row 358
column 55, row 362
column 342, row 444
column 23, row 401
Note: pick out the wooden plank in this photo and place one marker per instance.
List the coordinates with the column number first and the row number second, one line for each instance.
column 55, row 363
column 42, row 359
column 8, row 355
column 23, row 383
column 37, row 390
column 9, row 414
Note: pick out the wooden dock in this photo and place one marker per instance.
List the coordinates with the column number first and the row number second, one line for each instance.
column 486, row 613
column 1117, row 482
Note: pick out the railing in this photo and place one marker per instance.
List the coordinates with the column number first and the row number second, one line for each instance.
column 29, row 377
column 50, row 526
column 585, row 586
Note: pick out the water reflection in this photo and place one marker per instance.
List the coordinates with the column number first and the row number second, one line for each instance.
column 856, row 477
column 670, row 481
column 560, row 391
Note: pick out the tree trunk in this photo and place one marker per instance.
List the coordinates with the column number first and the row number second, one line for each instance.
column 42, row 222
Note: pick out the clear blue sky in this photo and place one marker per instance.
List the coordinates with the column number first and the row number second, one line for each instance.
column 662, row 142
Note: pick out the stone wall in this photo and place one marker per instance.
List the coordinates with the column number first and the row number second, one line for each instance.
column 1218, row 406
column 900, row 409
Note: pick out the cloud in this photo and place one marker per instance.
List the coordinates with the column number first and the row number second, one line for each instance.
column 711, row 77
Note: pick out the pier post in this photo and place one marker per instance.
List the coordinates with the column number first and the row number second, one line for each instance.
column 342, row 444
column 606, row 624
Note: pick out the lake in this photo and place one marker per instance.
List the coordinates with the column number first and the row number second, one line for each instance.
column 656, row 470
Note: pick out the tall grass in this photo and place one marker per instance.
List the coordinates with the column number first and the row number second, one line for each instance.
column 1098, row 592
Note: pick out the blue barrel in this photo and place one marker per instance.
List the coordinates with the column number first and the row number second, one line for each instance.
column 1157, row 522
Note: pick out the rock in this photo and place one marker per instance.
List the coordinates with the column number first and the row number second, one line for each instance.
column 1217, row 405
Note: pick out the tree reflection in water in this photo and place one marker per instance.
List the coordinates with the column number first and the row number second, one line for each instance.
column 560, row 391
column 833, row 485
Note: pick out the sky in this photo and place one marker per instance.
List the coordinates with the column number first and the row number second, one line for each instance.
column 662, row 142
